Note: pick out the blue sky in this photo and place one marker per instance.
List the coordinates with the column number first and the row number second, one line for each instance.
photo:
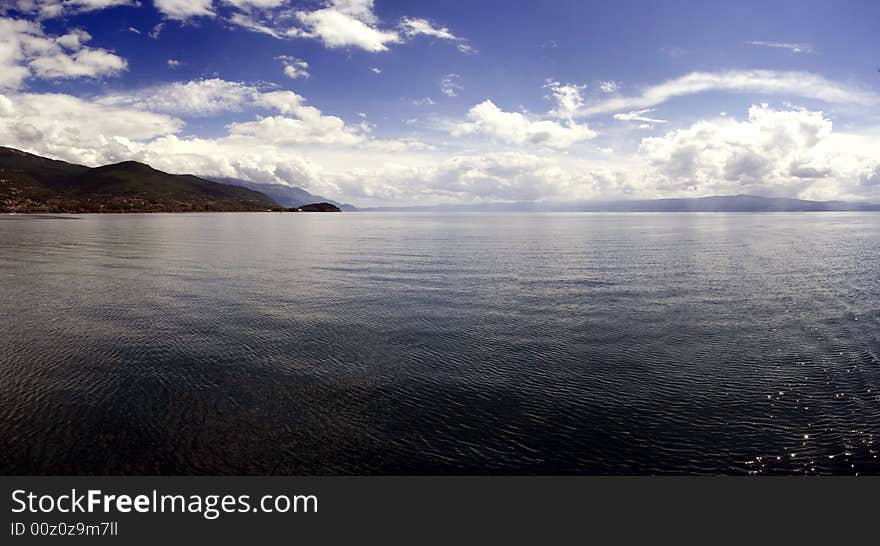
column 393, row 102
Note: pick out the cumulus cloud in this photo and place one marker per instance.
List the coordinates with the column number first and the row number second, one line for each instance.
column 83, row 63
column 74, row 40
column 769, row 82
column 344, row 23
column 181, row 10
column 297, row 124
column 74, row 129
column 791, row 152
column 268, row 149
column 306, row 126
column 483, row 177
column 194, row 98
column 609, row 86
column 568, row 97
column 294, row 68
column 517, row 128
column 26, row 51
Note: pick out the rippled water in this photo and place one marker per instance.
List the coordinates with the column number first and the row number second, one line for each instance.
column 440, row 343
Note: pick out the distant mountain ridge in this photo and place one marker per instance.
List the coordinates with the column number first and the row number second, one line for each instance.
column 31, row 183
column 715, row 203
column 288, row 196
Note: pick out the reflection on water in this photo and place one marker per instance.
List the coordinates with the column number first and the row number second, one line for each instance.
column 440, row 343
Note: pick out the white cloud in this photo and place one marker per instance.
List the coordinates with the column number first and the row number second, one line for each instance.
column 85, row 63
column 26, row 51
column 46, row 9
column 450, row 85
column 516, row 128
column 194, row 98
column 413, row 26
column 424, row 101
column 793, row 153
column 335, row 23
column 297, row 123
column 181, row 10
column 794, row 48
column 569, row 98
column 375, row 70
column 174, row 63
column 251, row 4
column 639, row 115
column 482, row 177
column 285, row 102
column 344, row 23
column 609, row 86
column 269, row 149
column 75, row 129
column 770, row 82
column 294, row 68
column 308, row 126
column 6, row 106
column 74, row 39
column 249, row 22
column 157, row 30
column 505, row 176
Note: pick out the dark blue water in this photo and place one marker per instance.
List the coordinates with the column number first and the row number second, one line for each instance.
column 440, row 343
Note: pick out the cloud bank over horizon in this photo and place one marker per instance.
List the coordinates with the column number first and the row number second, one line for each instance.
column 336, row 97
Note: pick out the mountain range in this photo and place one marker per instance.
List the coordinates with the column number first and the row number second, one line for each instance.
column 30, row 183
column 717, row 203
column 288, row 196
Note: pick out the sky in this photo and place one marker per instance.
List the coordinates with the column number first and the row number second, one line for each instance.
column 392, row 102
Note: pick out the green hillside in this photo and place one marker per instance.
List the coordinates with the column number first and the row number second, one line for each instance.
column 30, row 183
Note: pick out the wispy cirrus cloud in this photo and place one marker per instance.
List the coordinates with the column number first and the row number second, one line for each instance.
column 450, row 85
column 334, row 23
column 639, row 115
column 793, row 47
column 769, row 82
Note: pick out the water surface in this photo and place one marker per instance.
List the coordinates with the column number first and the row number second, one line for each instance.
column 440, row 343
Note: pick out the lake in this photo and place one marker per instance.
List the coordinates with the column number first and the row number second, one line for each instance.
column 399, row 343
